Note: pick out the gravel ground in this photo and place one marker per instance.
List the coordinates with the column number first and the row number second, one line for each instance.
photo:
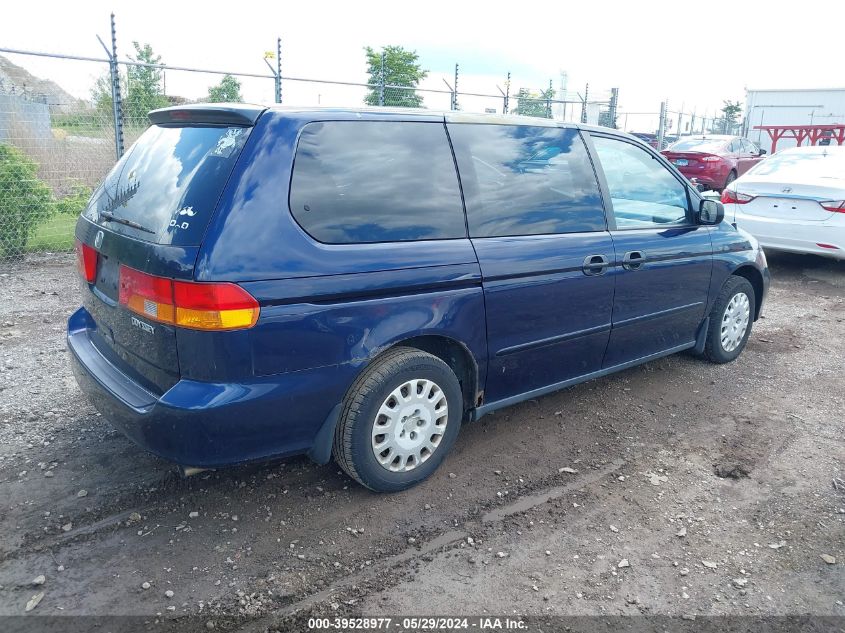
column 678, row 488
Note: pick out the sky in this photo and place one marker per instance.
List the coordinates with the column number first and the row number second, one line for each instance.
column 695, row 54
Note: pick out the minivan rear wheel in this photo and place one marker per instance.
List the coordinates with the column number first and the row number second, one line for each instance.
column 399, row 420
column 730, row 321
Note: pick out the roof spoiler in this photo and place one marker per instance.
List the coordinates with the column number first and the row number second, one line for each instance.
column 233, row 114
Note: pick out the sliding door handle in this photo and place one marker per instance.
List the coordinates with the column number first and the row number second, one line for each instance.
column 633, row 260
column 595, row 265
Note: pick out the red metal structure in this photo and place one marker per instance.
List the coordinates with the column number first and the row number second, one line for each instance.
column 801, row 133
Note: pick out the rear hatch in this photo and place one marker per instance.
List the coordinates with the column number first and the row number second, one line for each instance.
column 150, row 215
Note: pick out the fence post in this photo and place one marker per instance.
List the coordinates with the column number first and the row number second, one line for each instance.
column 584, row 103
column 455, row 90
column 614, row 106
column 117, row 103
column 381, row 81
column 680, row 120
column 278, row 70
column 661, row 129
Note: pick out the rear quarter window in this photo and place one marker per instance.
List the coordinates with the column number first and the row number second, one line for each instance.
column 524, row 180
column 376, row 181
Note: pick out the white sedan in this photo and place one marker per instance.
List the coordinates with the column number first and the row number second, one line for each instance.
column 793, row 201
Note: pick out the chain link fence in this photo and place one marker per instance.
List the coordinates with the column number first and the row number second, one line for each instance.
column 58, row 142
column 54, row 150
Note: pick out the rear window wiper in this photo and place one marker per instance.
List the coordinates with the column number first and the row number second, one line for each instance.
column 108, row 217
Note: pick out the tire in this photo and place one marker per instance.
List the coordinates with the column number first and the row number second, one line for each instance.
column 725, row 337
column 418, row 385
column 731, row 178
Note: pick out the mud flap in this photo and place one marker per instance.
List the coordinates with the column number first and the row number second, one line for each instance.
column 701, row 336
column 321, row 450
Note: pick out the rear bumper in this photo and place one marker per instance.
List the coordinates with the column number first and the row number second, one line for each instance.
column 208, row 424
column 710, row 179
column 826, row 238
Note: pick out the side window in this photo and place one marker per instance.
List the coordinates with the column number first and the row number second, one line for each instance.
column 524, row 180
column 735, row 147
column 749, row 147
column 376, row 181
column 644, row 192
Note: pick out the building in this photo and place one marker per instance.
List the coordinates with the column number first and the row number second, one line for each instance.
column 813, row 106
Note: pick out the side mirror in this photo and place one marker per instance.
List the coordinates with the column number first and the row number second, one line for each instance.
column 762, row 151
column 710, row 212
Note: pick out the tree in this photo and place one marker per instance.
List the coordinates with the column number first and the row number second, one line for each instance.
column 101, row 95
column 144, row 86
column 228, row 90
column 401, row 68
column 536, row 104
column 728, row 120
column 140, row 88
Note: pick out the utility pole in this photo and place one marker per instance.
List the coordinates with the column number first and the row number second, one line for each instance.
column 507, row 93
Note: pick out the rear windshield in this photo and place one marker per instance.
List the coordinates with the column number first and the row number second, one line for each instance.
column 697, row 145
column 166, row 187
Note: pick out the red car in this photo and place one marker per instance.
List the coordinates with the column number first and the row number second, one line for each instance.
column 713, row 160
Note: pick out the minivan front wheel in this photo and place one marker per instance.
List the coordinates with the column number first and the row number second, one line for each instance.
column 399, row 420
column 730, row 321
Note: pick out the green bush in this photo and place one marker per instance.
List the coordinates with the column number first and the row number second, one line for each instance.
column 75, row 201
column 24, row 201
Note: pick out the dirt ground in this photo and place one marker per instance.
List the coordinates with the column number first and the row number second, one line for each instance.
column 692, row 489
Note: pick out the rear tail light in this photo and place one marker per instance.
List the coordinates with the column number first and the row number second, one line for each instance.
column 735, row 197
column 837, row 206
column 86, row 259
column 710, row 159
column 195, row 305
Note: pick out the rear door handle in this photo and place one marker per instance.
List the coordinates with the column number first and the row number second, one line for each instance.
column 595, row 265
column 633, row 260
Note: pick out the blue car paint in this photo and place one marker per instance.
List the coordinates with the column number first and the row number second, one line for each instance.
column 209, row 424
column 660, row 304
column 546, row 320
column 522, row 309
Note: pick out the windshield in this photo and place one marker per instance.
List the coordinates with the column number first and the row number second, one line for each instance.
column 166, row 187
column 828, row 164
column 697, row 145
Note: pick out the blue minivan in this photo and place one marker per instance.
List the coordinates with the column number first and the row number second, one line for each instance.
column 357, row 284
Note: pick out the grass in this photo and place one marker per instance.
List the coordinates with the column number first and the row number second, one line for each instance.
column 54, row 234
